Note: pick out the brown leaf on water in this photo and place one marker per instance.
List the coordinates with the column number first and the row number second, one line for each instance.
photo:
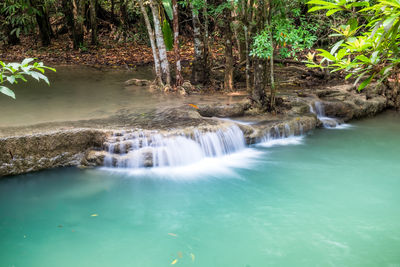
column 194, row 106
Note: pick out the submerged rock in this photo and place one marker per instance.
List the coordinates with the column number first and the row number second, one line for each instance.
column 137, row 82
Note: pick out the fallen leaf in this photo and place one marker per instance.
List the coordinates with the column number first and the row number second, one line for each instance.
column 194, row 106
column 94, row 215
column 174, row 261
column 172, row 234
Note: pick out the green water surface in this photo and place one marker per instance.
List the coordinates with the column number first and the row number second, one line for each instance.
column 333, row 200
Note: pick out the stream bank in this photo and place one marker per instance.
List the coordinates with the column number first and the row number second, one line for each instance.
column 86, row 143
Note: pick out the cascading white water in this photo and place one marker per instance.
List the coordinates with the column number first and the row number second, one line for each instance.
column 278, row 138
column 327, row 122
column 144, row 149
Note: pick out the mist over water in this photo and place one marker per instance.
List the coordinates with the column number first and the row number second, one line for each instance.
column 327, row 199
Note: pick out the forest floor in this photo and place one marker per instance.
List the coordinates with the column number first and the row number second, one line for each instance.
column 130, row 55
column 108, row 53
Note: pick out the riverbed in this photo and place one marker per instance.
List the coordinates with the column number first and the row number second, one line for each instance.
column 326, row 199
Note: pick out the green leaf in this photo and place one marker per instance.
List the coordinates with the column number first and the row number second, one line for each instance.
column 336, row 46
column 167, row 34
column 7, row 91
column 366, row 82
column 332, row 11
column 168, row 8
column 326, row 55
column 26, row 61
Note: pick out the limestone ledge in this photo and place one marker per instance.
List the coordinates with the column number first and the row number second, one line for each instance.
column 86, row 146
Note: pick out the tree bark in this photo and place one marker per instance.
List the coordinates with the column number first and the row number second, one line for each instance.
column 74, row 13
column 93, row 21
column 259, row 82
column 42, row 19
column 198, row 64
column 162, row 50
column 157, row 66
column 271, row 62
column 228, row 79
column 179, row 78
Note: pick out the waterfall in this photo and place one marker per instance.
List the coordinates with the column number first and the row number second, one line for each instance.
column 327, row 122
column 277, row 137
column 152, row 149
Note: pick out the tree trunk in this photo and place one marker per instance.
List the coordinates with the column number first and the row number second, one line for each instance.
column 259, row 82
column 247, row 71
column 179, row 78
column 198, row 64
column 228, row 79
column 78, row 11
column 124, row 18
column 93, row 21
column 43, row 22
column 157, row 66
column 162, row 50
column 271, row 62
column 206, row 48
column 74, row 11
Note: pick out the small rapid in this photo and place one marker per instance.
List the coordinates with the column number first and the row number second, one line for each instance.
column 327, row 122
column 153, row 149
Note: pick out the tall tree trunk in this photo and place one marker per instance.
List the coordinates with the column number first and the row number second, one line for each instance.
column 124, row 17
column 43, row 22
column 206, row 47
column 247, row 70
column 162, row 50
column 179, row 78
column 77, row 9
column 156, row 57
column 259, row 82
column 271, row 62
column 93, row 21
column 198, row 64
column 228, row 79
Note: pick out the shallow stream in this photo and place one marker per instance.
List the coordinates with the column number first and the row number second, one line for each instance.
column 327, row 199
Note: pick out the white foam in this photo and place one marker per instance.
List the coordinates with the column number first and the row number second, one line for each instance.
column 223, row 166
column 291, row 140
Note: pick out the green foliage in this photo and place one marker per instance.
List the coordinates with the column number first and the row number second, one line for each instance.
column 168, row 35
column 18, row 15
column 289, row 39
column 12, row 73
column 366, row 51
column 168, row 8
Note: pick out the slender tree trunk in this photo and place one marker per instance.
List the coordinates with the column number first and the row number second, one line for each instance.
column 157, row 65
column 259, row 82
column 43, row 22
column 228, row 79
column 93, row 21
column 162, row 50
column 206, row 47
column 78, row 12
column 197, row 70
column 247, row 71
column 124, row 17
column 179, row 78
column 271, row 62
